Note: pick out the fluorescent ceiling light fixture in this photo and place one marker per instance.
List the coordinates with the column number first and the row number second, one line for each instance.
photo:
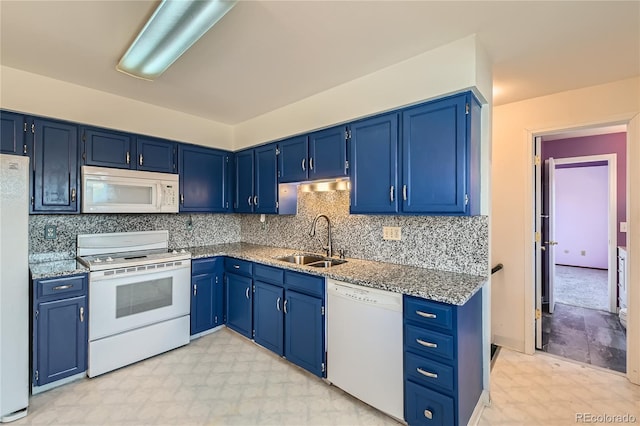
column 172, row 29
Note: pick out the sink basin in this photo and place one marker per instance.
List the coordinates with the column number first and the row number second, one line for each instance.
column 327, row 263
column 315, row 260
column 302, row 259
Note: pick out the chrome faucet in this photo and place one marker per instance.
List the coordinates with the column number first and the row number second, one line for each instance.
column 312, row 233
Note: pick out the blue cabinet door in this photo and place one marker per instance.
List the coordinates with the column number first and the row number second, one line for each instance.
column 268, row 322
column 304, row 337
column 156, row 155
column 239, row 303
column 12, row 131
column 373, row 150
column 61, row 330
column 434, row 149
column 106, row 148
column 328, row 153
column 203, row 301
column 204, row 185
column 55, row 165
column 266, row 176
column 293, row 160
column 244, row 181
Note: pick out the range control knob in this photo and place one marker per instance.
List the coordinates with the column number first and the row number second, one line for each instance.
column 174, row 252
column 98, row 260
column 183, row 251
column 109, row 259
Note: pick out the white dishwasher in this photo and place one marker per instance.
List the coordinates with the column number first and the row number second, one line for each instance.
column 364, row 344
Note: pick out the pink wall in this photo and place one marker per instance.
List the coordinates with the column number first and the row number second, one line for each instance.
column 581, row 216
column 613, row 143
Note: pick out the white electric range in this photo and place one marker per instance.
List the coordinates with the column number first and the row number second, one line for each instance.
column 139, row 297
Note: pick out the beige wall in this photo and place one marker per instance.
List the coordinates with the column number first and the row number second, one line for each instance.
column 512, row 193
column 36, row 94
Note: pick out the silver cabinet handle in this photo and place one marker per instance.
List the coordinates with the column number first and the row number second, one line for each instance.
column 236, row 266
column 278, row 304
column 62, row 287
column 391, row 191
column 304, row 166
column 427, row 344
column 246, row 293
column 128, row 157
column 427, row 373
column 81, row 314
column 285, row 306
column 404, row 192
column 73, row 195
column 255, row 200
column 195, row 289
column 24, row 147
column 181, row 198
column 140, row 160
column 426, row 314
column 249, row 200
column 428, row 414
column 310, row 163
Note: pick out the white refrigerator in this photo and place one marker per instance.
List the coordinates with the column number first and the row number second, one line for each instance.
column 14, row 287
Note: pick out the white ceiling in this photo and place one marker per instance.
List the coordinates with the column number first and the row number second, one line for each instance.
column 267, row 54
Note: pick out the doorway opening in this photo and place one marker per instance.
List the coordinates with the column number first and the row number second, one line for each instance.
column 580, row 186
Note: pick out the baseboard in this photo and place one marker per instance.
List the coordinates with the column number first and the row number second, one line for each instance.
column 39, row 389
column 204, row 333
column 483, row 401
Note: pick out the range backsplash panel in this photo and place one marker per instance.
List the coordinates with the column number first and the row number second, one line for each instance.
column 456, row 244
column 185, row 230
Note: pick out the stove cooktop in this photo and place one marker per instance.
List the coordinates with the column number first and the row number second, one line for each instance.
column 133, row 258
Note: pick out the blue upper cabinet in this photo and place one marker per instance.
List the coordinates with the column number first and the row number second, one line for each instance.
column 373, row 150
column 265, row 199
column 328, row 153
column 55, row 167
column 293, row 159
column 204, row 179
column 106, row 148
column 436, row 157
column 154, row 155
column 245, row 172
column 12, row 134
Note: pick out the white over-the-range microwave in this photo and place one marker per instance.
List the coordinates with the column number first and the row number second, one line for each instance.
column 106, row 190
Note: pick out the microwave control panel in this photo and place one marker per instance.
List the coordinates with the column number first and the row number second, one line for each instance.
column 169, row 195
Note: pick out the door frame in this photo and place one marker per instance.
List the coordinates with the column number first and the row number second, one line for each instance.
column 611, row 160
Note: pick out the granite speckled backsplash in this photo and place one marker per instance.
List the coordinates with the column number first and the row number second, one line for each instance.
column 205, row 229
column 456, row 244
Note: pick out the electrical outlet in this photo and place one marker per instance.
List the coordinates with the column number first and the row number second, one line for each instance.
column 583, row 252
column 391, row 233
column 623, row 226
column 50, row 232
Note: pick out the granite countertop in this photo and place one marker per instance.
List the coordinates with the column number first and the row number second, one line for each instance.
column 441, row 286
column 56, row 268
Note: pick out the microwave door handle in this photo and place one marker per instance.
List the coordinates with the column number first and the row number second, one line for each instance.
column 159, row 197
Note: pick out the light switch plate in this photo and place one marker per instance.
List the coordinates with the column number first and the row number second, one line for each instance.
column 623, row 226
column 391, row 233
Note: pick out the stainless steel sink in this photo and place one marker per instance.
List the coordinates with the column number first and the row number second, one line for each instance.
column 315, row 260
column 327, row 263
column 302, row 259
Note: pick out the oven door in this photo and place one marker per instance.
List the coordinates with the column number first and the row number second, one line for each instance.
column 128, row 298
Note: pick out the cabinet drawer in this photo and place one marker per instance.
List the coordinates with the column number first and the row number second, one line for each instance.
column 304, row 283
column 238, row 266
column 425, row 312
column 426, row 407
column 268, row 274
column 204, row 266
column 61, row 286
column 427, row 342
column 428, row 372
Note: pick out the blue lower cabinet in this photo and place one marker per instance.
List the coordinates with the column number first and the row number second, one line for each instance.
column 207, row 294
column 442, row 360
column 238, row 315
column 59, row 329
column 268, row 322
column 304, row 331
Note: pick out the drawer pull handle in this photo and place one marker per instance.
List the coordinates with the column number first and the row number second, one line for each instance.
column 428, row 414
column 246, row 293
column 427, row 373
column 426, row 314
column 81, row 314
column 63, row 287
column 236, row 266
column 427, row 344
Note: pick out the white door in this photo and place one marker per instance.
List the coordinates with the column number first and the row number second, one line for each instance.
column 551, row 243
column 537, row 179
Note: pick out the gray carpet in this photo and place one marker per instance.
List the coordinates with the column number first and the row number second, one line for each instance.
column 584, row 287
